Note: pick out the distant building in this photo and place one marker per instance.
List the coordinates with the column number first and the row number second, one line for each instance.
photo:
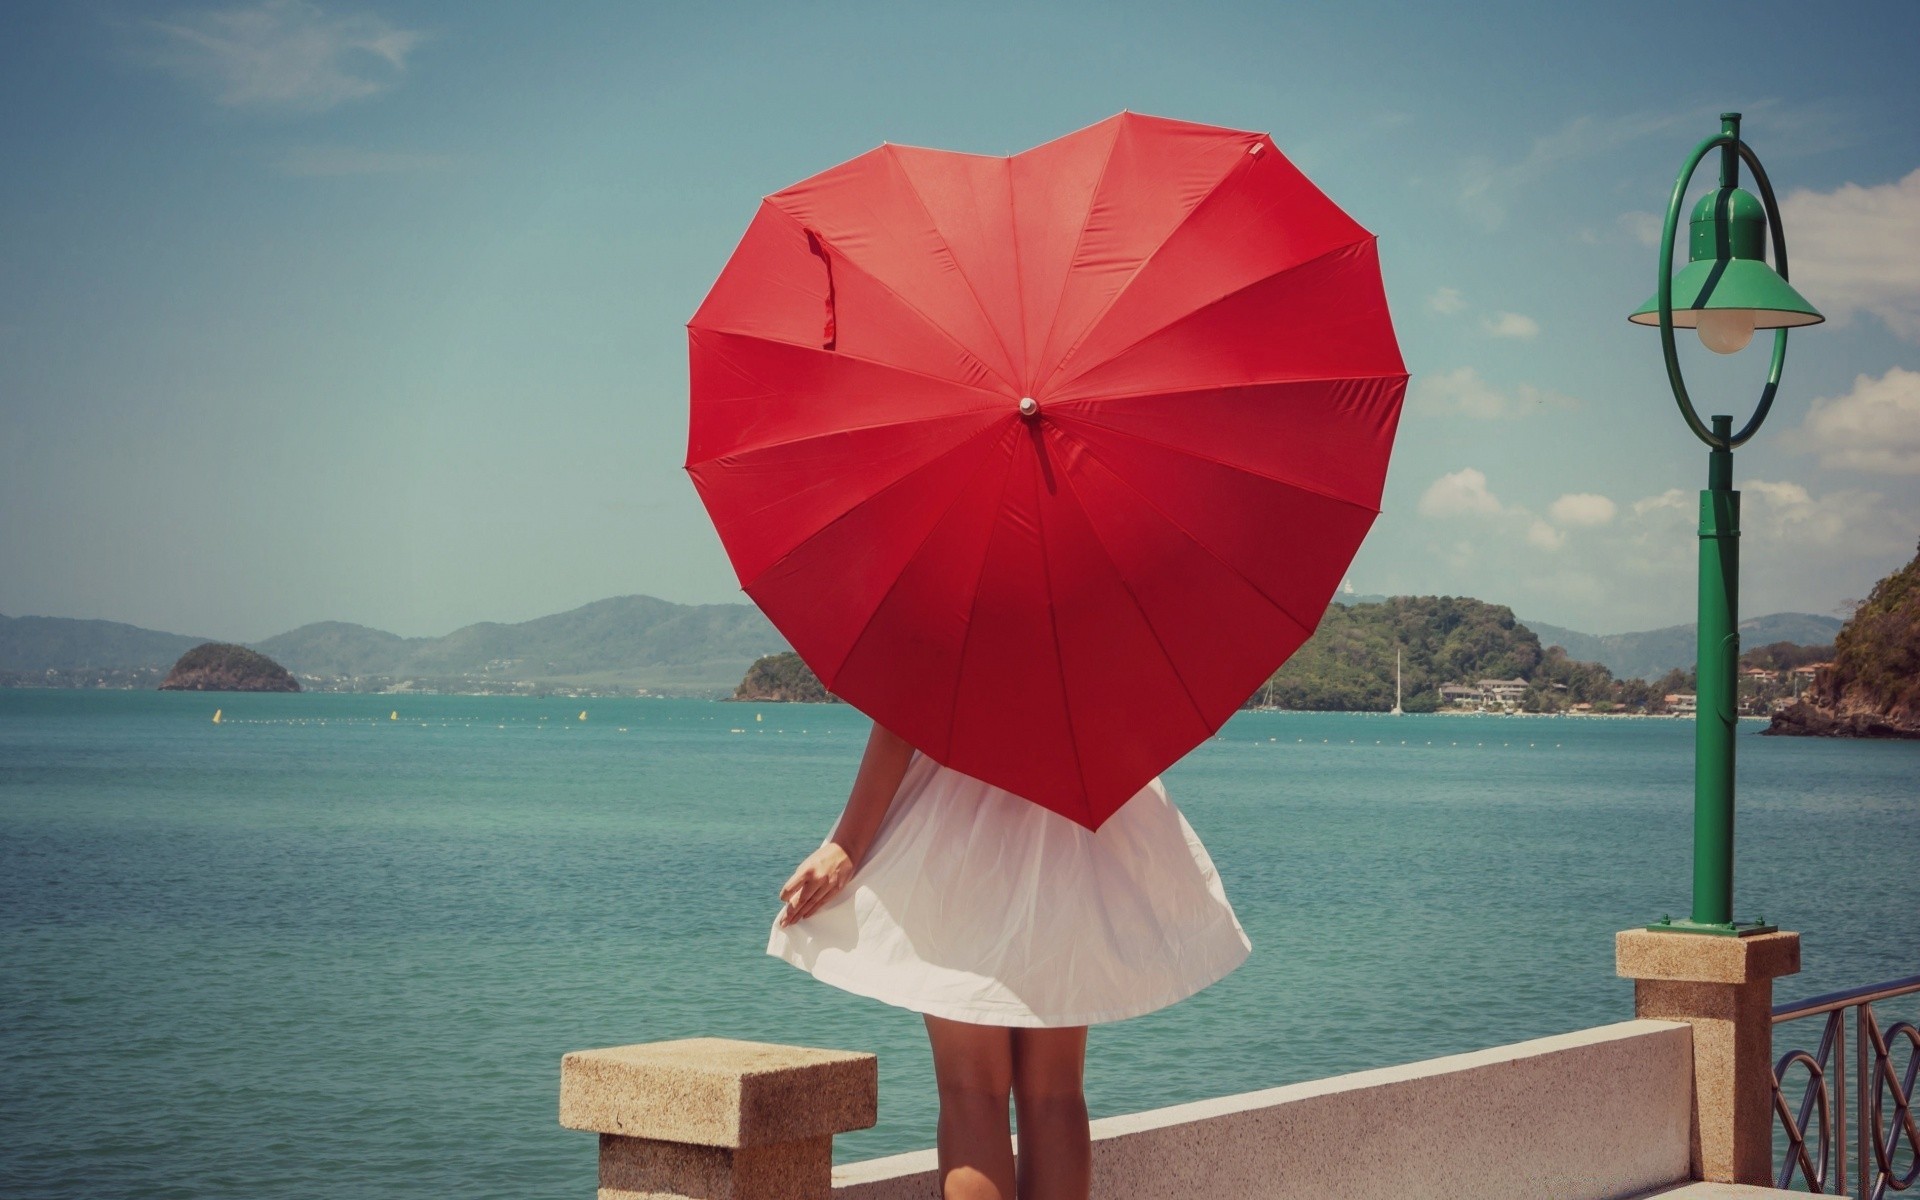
column 1460, row 693
column 1759, row 674
column 1807, row 672
column 1504, row 691
column 1682, row 702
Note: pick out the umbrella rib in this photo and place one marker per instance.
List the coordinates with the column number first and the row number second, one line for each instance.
column 872, row 362
column 855, row 507
column 973, row 604
column 889, row 289
column 1091, row 403
column 1134, row 597
column 1239, row 164
column 1079, row 239
column 918, row 546
column 1211, row 552
column 1207, row 458
column 790, row 496
column 1084, row 368
column 744, row 451
column 985, row 316
column 1059, row 658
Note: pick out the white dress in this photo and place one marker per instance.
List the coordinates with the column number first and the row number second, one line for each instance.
column 978, row 906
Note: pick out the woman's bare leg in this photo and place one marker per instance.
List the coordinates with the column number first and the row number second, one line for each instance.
column 1056, row 1149
column 973, row 1066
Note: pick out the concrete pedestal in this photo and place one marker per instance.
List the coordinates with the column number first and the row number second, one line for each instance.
column 1723, row 987
column 714, row 1119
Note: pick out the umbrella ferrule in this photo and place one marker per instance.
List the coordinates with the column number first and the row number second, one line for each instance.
column 1029, row 407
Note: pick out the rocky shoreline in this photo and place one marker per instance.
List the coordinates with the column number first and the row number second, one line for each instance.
column 1808, row 720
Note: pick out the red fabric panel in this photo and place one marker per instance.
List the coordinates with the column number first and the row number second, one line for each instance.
column 1294, row 552
column 822, row 592
column 1158, row 172
column 757, row 393
column 1053, row 187
column 1264, row 218
column 867, row 213
column 970, row 198
column 1327, row 436
column 1325, row 319
column 872, row 322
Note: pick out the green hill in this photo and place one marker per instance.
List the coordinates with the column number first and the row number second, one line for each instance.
column 71, row 644
column 224, row 667
column 1347, row 665
column 783, row 678
column 1872, row 687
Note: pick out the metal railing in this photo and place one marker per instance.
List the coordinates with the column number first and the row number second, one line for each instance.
column 1886, row 1140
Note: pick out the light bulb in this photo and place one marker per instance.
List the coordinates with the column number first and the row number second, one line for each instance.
column 1726, row 330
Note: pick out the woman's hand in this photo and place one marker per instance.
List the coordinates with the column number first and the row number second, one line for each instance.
column 817, row 880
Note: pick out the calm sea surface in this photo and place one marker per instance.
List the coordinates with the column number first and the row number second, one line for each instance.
column 313, row 950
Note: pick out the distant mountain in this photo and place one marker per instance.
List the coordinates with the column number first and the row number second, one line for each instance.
column 66, row 644
column 627, row 641
column 1653, row 653
column 630, row 642
column 623, row 643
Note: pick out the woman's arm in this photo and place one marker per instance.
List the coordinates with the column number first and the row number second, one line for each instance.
column 827, row 870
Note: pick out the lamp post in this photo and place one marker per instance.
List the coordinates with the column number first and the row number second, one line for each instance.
column 1725, row 292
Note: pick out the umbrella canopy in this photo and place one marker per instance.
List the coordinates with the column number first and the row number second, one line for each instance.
column 1046, row 462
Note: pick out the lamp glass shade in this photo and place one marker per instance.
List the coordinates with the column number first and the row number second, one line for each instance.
column 1726, row 237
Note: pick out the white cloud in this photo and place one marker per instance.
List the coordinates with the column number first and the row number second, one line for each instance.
column 1583, row 509
column 1874, row 427
column 282, row 54
column 1544, row 536
column 1853, row 250
column 1447, row 300
column 327, row 161
column 1462, row 493
column 1801, row 549
column 1511, row 325
column 1462, row 392
column 1642, row 227
column 1671, row 500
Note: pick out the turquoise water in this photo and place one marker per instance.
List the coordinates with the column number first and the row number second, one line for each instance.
column 312, row 950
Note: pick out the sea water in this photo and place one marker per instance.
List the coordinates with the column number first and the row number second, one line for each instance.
column 336, row 944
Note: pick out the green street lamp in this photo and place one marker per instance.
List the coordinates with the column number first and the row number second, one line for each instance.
column 1725, row 293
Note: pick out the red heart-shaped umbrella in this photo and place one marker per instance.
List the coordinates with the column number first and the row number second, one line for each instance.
column 1046, row 462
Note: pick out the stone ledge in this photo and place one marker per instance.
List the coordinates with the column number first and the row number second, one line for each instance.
column 1590, row 1115
column 1699, row 958
column 1716, row 1191
column 719, row 1092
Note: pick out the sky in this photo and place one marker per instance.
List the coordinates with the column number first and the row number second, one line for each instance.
column 375, row 311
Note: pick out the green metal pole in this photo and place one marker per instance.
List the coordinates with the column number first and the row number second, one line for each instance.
column 1716, row 684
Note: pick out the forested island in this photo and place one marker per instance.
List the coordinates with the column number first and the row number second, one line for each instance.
column 782, row 679
column 1455, row 641
column 1872, row 686
column 224, row 667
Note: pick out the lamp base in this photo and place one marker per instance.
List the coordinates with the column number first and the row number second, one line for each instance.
column 1730, row 929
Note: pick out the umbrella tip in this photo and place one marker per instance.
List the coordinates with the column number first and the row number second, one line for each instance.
column 1028, row 406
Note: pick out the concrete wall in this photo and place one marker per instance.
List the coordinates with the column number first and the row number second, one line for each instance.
column 1593, row 1115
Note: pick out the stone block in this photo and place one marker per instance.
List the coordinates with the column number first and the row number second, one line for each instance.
column 643, row 1169
column 719, row 1092
column 1699, row 958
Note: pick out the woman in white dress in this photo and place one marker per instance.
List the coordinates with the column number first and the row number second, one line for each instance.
column 1010, row 929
